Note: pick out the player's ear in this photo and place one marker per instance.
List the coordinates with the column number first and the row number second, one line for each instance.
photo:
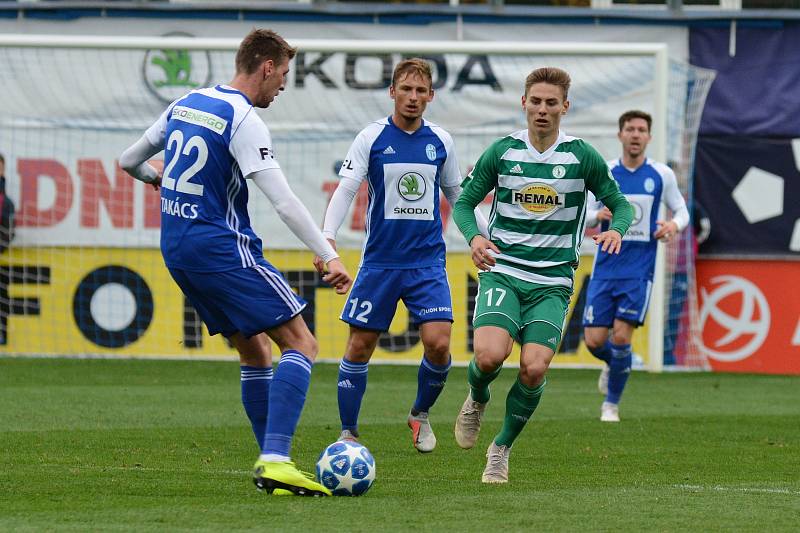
column 391, row 92
column 565, row 108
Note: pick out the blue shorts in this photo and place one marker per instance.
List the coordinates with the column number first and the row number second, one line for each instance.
column 609, row 299
column 246, row 300
column 376, row 291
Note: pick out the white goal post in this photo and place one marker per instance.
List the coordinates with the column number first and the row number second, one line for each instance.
column 74, row 102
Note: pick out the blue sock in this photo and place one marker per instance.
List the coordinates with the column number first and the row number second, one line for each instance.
column 287, row 395
column 603, row 353
column 352, row 384
column 620, row 370
column 255, row 397
column 430, row 382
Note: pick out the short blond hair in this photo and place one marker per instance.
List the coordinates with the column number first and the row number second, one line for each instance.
column 415, row 65
column 552, row 75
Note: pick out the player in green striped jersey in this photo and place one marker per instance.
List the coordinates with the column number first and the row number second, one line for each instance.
column 540, row 178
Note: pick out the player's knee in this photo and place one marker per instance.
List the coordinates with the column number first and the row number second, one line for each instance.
column 593, row 343
column 594, row 340
column 308, row 346
column 359, row 350
column 532, row 373
column 488, row 358
column 438, row 351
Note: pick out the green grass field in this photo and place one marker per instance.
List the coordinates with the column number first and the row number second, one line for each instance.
column 111, row 445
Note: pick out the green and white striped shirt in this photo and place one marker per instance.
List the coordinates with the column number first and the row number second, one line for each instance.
column 538, row 215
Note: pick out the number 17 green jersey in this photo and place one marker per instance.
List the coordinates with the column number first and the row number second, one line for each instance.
column 538, row 214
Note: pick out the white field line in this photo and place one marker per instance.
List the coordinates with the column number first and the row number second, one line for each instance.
column 146, row 469
column 756, row 490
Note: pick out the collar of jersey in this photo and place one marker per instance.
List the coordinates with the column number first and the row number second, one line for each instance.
column 231, row 90
column 543, row 155
column 404, row 131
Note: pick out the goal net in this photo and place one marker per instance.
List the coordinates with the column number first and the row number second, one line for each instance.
column 84, row 275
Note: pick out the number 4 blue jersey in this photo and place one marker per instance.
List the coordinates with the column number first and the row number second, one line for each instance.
column 404, row 172
column 212, row 139
column 645, row 188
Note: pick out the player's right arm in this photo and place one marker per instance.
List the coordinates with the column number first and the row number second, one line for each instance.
column 478, row 183
column 353, row 171
column 134, row 159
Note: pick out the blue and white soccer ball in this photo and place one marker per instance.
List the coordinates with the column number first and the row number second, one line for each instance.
column 346, row 468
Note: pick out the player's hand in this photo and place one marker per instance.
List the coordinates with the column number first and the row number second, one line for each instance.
column 319, row 264
column 337, row 276
column 666, row 230
column 610, row 241
column 604, row 214
column 156, row 183
column 483, row 252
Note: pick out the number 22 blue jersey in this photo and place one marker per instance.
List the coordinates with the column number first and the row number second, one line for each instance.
column 212, row 139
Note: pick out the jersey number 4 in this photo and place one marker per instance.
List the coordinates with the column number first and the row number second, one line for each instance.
column 184, row 185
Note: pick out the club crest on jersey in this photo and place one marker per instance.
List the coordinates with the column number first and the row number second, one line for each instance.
column 430, row 151
column 539, row 199
column 559, row 171
column 649, row 185
column 411, row 186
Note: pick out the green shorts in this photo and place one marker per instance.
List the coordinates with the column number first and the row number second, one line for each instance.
column 529, row 312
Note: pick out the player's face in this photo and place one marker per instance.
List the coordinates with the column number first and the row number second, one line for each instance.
column 274, row 81
column 411, row 95
column 544, row 104
column 635, row 136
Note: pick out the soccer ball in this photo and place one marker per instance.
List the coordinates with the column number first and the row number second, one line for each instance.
column 346, row 468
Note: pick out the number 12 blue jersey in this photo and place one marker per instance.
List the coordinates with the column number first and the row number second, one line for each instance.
column 404, row 172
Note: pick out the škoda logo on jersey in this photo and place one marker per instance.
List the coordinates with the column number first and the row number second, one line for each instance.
column 539, row 199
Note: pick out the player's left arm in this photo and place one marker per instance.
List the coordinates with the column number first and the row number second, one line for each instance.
column 606, row 189
column 251, row 147
column 675, row 203
column 134, row 159
column 451, row 186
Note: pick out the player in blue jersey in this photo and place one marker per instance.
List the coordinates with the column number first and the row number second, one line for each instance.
column 619, row 290
column 214, row 142
column 405, row 160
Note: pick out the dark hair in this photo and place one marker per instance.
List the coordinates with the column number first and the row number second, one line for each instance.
column 414, row 65
column 632, row 114
column 552, row 75
column 261, row 45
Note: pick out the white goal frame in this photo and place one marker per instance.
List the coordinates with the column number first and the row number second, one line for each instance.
column 659, row 52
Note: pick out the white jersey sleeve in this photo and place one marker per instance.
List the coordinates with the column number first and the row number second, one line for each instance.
column 673, row 197
column 451, row 174
column 294, row 214
column 251, row 145
column 157, row 132
column 356, row 162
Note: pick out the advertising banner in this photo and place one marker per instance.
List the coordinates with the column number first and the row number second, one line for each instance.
column 750, row 315
column 101, row 301
column 749, row 187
